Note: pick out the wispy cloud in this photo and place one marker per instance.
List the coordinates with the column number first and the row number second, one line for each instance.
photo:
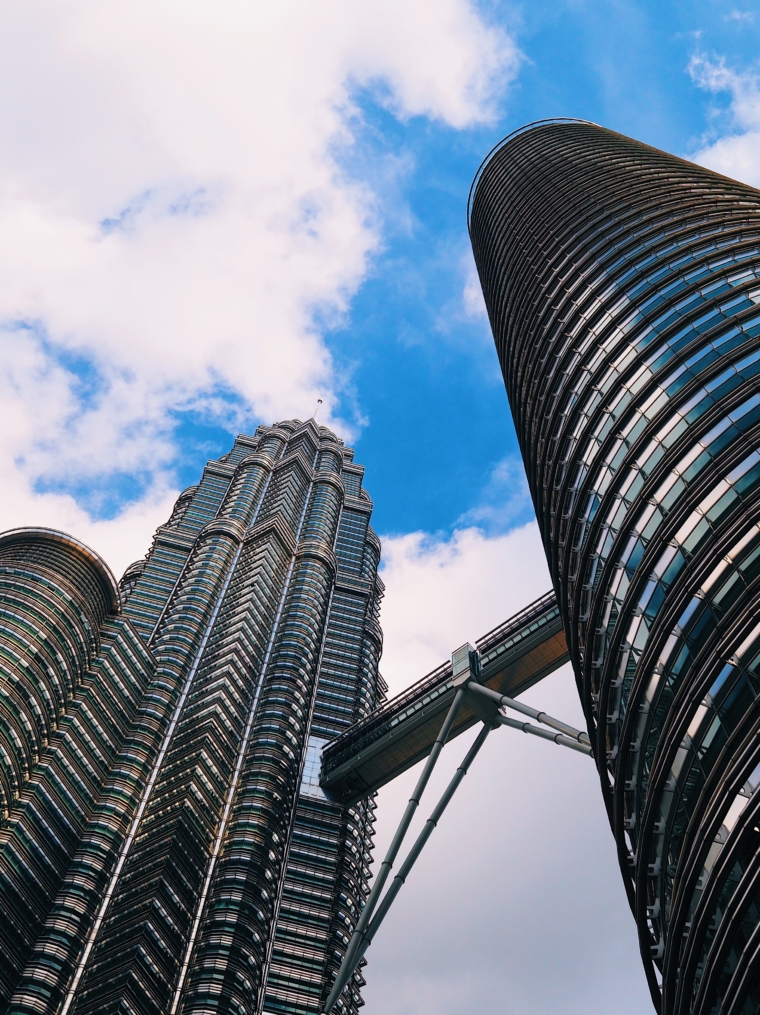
column 734, row 146
column 472, row 294
column 748, row 16
column 504, row 502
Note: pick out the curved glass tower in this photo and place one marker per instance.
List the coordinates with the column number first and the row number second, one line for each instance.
column 56, row 594
column 623, row 289
column 165, row 846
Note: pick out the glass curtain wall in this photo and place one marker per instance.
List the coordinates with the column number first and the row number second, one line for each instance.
column 623, row 289
column 165, row 845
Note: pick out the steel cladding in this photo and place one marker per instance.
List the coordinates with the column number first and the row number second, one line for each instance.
column 166, row 846
column 623, row 289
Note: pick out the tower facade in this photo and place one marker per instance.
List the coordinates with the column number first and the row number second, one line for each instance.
column 623, row 289
column 165, row 846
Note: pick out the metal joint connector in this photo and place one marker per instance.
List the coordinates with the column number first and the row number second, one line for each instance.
column 465, row 665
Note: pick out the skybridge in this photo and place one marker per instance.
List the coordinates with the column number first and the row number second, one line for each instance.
column 510, row 659
column 479, row 685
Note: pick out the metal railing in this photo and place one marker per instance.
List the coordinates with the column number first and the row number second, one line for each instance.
column 436, row 683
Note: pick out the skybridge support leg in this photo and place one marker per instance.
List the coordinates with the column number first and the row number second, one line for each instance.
column 569, row 732
column 558, row 738
column 366, row 936
column 464, row 671
column 422, row 838
column 352, row 956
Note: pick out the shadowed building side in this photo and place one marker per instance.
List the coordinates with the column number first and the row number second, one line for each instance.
column 623, row 289
column 63, row 643
column 55, row 596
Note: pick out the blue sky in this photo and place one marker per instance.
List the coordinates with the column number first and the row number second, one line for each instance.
column 419, row 375
column 214, row 212
column 424, row 378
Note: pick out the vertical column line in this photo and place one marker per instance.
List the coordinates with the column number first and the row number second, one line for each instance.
column 291, row 824
column 127, row 845
column 242, row 749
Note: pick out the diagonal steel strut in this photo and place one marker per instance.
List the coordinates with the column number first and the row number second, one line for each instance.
column 558, row 738
column 519, row 706
column 568, row 736
column 465, row 665
column 422, row 838
column 350, row 961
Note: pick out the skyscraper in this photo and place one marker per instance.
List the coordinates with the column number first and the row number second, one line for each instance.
column 165, row 846
column 623, row 289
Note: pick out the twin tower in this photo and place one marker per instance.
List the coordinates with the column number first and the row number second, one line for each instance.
column 623, row 288
column 166, row 846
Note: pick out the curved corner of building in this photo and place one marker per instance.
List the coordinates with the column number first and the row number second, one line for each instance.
column 55, row 595
column 534, row 128
column 622, row 285
column 61, row 545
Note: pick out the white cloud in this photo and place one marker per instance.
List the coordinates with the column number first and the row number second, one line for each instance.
column 173, row 215
column 748, row 16
column 736, row 153
column 39, row 407
column 441, row 593
column 504, row 501
column 472, row 295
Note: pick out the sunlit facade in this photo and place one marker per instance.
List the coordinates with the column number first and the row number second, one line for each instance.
column 165, row 846
column 623, row 289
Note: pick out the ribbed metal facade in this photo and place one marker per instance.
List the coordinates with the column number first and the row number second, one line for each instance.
column 165, row 845
column 623, row 289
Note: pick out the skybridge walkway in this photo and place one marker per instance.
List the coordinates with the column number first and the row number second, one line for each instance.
column 511, row 658
column 479, row 685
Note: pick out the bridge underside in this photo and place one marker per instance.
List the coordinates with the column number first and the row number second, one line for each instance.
column 513, row 657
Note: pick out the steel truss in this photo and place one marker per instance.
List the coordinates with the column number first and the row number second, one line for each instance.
column 487, row 703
